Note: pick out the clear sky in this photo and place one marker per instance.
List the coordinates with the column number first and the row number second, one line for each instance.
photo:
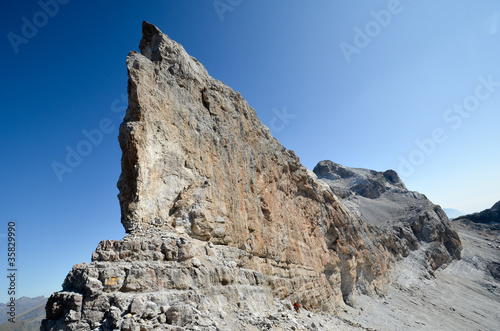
column 412, row 86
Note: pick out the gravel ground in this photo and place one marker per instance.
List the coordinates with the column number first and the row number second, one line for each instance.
column 462, row 296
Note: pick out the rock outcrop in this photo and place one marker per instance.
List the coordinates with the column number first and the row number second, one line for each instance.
column 487, row 216
column 487, row 220
column 382, row 199
column 221, row 217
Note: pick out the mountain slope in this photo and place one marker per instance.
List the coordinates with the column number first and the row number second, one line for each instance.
column 382, row 199
column 463, row 296
column 222, row 219
column 489, row 216
column 29, row 314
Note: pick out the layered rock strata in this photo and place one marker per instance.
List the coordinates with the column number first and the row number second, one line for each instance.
column 220, row 216
column 198, row 161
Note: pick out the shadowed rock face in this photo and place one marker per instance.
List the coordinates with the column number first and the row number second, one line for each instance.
column 487, row 216
column 381, row 199
column 220, row 216
column 487, row 220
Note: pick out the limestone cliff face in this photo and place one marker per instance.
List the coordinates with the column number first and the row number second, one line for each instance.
column 198, row 161
column 220, row 216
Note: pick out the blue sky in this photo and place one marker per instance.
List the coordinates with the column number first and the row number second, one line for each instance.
column 412, row 86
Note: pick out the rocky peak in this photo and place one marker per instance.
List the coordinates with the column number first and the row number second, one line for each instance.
column 382, row 199
column 221, row 217
column 367, row 183
column 198, row 162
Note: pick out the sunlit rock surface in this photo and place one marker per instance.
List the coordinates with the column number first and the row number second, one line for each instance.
column 223, row 221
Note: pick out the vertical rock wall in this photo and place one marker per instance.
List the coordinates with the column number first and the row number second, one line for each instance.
column 198, row 161
column 220, row 216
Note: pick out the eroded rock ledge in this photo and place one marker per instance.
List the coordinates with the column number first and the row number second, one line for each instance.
column 220, row 216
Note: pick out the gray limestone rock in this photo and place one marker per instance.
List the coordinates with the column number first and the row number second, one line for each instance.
column 223, row 220
column 382, row 199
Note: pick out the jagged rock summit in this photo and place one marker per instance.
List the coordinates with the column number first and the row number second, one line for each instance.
column 221, row 218
column 382, row 199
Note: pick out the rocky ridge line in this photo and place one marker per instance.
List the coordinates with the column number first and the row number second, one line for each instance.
column 382, row 200
column 221, row 217
column 489, row 216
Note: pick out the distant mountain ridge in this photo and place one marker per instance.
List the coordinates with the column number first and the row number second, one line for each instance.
column 23, row 304
column 452, row 213
column 29, row 314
